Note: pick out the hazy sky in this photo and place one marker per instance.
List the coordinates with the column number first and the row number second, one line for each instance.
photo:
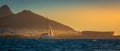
column 94, row 15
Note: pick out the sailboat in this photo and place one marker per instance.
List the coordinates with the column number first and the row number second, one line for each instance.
column 48, row 35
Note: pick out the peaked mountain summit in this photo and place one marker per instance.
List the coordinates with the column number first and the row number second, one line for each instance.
column 28, row 22
column 5, row 11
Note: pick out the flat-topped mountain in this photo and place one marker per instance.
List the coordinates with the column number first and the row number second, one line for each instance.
column 97, row 34
column 5, row 11
column 29, row 22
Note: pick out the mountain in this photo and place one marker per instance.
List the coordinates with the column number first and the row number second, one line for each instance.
column 97, row 34
column 5, row 11
column 29, row 22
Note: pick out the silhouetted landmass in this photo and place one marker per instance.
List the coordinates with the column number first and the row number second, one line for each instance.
column 5, row 11
column 27, row 22
column 97, row 35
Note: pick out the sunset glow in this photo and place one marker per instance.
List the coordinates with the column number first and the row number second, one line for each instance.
column 78, row 14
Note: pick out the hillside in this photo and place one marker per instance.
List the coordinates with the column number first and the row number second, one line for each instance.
column 27, row 21
column 5, row 11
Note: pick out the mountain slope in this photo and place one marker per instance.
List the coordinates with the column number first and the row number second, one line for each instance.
column 27, row 21
column 5, row 11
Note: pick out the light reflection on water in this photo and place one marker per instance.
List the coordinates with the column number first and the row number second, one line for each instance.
column 20, row 44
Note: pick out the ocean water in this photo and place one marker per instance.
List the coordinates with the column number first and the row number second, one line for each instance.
column 20, row 44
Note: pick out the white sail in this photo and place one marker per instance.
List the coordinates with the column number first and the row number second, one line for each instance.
column 50, row 32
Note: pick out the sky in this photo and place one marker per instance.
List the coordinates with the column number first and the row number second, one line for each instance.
column 81, row 15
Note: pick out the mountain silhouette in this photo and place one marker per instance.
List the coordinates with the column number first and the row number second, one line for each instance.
column 5, row 11
column 27, row 21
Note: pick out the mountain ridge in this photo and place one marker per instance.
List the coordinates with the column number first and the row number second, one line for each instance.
column 27, row 21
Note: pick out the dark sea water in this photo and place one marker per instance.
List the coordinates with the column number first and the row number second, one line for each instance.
column 20, row 44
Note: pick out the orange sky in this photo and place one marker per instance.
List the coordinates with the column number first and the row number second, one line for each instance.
column 87, row 17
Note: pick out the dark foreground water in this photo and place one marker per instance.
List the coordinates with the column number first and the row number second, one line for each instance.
column 59, row 44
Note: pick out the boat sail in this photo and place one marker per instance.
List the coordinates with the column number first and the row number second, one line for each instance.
column 48, row 35
column 50, row 30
